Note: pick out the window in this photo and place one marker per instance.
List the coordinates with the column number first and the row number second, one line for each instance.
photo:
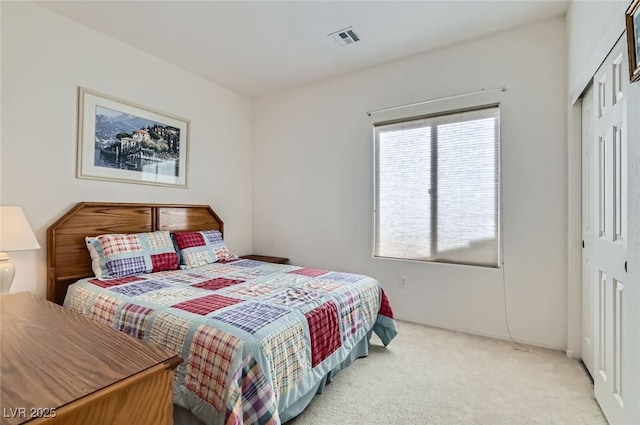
column 437, row 188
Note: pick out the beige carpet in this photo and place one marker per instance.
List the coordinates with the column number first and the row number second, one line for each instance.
column 434, row 376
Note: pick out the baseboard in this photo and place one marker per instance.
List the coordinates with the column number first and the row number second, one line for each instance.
column 487, row 335
column 573, row 355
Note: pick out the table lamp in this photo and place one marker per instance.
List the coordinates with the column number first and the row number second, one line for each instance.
column 15, row 235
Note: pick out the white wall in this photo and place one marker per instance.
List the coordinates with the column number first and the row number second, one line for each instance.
column 45, row 57
column 593, row 27
column 633, row 221
column 313, row 182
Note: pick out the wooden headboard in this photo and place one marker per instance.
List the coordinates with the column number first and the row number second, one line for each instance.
column 67, row 256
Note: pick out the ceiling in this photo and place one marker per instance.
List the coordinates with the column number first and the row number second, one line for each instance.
column 258, row 48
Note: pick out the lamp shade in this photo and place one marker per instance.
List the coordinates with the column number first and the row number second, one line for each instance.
column 15, row 231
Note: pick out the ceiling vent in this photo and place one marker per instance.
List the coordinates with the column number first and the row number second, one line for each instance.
column 344, row 36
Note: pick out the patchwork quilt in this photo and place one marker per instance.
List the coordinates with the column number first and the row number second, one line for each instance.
column 255, row 337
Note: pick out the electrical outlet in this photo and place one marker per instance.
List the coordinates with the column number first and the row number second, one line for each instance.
column 403, row 282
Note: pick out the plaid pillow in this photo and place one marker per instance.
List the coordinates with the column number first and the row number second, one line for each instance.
column 118, row 255
column 200, row 248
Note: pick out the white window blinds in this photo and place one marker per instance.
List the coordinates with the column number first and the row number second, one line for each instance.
column 437, row 188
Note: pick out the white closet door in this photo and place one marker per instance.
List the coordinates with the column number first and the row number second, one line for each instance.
column 613, row 329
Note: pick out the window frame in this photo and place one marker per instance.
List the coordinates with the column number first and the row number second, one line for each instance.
column 435, row 115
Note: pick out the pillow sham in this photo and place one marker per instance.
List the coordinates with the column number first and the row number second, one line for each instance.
column 200, row 248
column 119, row 255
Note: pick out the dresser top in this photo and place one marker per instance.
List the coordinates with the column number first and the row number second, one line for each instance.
column 51, row 356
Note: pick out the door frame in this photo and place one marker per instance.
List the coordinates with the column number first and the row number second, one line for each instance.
column 574, row 231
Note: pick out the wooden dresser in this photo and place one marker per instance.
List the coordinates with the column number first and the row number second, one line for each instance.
column 58, row 367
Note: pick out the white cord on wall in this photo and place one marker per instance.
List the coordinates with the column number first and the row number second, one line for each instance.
column 519, row 346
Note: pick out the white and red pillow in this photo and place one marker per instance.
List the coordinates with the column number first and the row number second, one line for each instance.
column 201, row 248
column 119, row 255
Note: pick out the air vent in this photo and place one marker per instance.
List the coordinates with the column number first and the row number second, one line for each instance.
column 344, row 36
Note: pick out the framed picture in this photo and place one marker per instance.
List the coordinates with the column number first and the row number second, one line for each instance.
column 633, row 39
column 121, row 141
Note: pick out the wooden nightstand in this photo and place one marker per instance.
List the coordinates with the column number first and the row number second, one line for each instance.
column 59, row 367
column 266, row 259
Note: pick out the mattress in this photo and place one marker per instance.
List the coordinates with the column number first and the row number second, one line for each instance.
column 258, row 339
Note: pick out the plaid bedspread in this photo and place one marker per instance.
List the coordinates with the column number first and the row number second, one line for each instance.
column 254, row 336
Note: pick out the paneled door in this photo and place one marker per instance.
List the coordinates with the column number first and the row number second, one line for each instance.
column 609, row 318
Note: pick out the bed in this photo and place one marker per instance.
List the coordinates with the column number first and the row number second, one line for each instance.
column 258, row 340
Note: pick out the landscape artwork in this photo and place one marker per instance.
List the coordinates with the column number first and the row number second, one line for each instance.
column 129, row 142
column 636, row 25
column 632, row 17
column 121, row 141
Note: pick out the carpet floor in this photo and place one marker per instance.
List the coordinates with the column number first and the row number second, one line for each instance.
column 434, row 376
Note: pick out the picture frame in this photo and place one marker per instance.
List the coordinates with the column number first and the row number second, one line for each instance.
column 632, row 17
column 122, row 141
